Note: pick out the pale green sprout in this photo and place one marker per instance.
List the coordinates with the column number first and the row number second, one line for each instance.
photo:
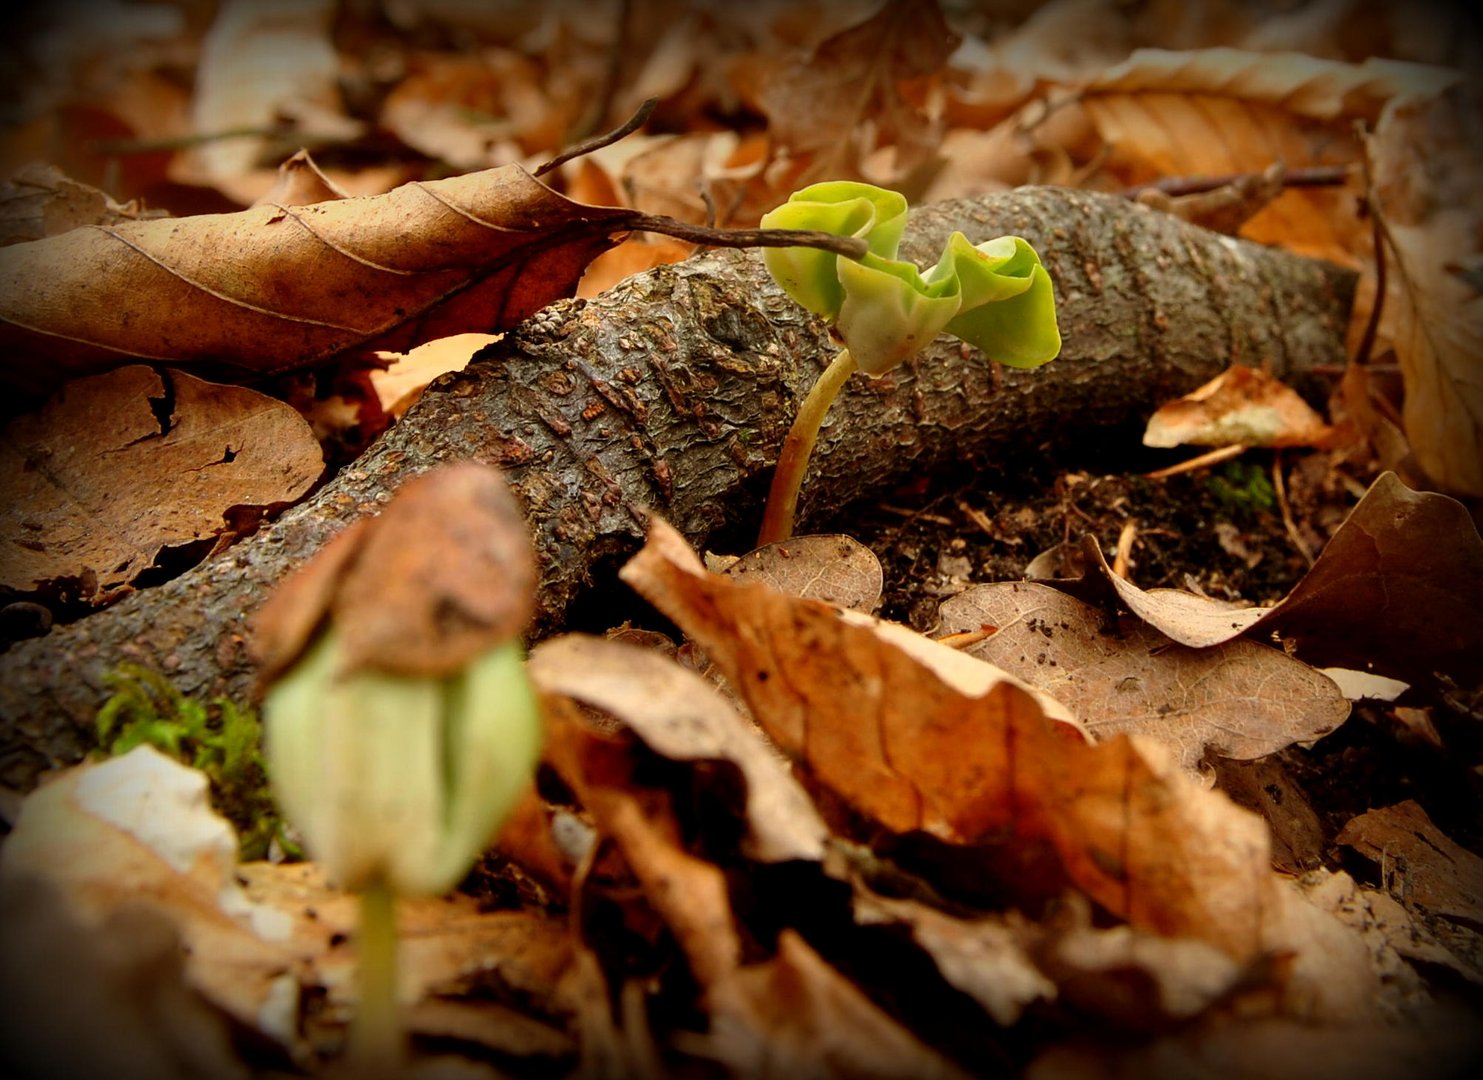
column 397, row 757
column 995, row 296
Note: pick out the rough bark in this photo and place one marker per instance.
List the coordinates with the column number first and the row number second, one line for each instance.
column 673, row 391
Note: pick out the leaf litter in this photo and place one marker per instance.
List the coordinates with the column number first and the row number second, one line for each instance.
column 786, row 844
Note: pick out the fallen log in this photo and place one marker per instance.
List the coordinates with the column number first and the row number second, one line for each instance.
column 673, row 391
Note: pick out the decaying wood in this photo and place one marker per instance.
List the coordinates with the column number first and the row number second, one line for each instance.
column 674, row 390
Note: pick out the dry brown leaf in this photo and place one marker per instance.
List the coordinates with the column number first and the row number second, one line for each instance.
column 402, row 381
column 818, row 105
column 794, row 1015
column 119, row 466
column 301, row 183
column 689, row 893
column 38, row 201
column 1398, row 937
column 1397, row 591
column 261, row 64
column 1427, row 170
column 1242, row 405
column 631, row 258
column 474, row 111
column 1196, row 621
column 102, row 1000
column 1136, row 980
column 1419, row 861
column 1237, row 700
column 449, row 948
column 443, row 574
column 1264, row 787
column 139, row 829
column 987, row 957
column 682, row 716
column 1294, row 82
column 275, row 288
column 833, row 568
column 880, row 731
column 1216, row 112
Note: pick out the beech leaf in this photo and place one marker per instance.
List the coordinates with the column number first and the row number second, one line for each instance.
column 277, row 287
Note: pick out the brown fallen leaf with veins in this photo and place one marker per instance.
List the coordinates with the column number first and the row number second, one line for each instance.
column 1238, row 700
column 1427, row 169
column 101, row 479
column 1396, row 592
column 836, row 569
column 278, row 287
column 880, row 731
column 682, row 716
column 1419, row 861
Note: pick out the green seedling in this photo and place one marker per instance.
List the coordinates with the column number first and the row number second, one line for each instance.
column 220, row 738
column 400, row 724
column 995, row 296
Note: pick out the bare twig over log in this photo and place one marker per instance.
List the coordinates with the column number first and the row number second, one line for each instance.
column 674, row 391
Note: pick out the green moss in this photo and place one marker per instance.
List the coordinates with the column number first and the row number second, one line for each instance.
column 220, row 738
column 1243, row 488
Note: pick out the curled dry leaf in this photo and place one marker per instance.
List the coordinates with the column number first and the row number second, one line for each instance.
column 1395, row 592
column 794, row 1015
column 688, row 892
column 1238, row 700
column 1242, row 405
column 1419, row 861
column 38, row 201
column 444, row 574
column 836, row 569
column 988, row 958
column 818, row 105
column 300, row 183
column 882, row 732
column 119, row 466
column 680, row 715
column 1427, row 173
column 278, row 287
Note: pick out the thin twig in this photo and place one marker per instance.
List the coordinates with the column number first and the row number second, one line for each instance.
column 1280, row 487
column 1307, row 176
column 851, row 247
column 1200, row 461
column 597, row 142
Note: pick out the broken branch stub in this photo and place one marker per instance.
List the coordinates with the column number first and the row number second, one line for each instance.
column 674, row 390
